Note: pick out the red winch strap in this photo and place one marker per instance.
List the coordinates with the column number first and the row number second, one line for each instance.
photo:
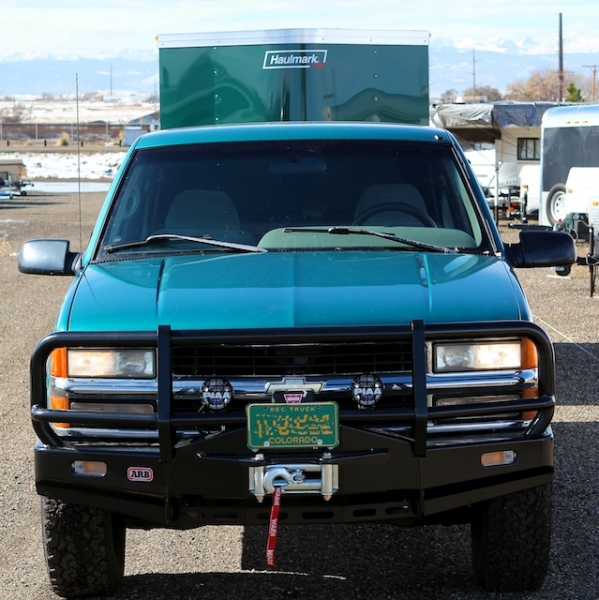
column 273, row 526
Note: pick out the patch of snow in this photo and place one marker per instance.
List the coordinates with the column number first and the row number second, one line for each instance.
column 110, row 110
column 42, row 165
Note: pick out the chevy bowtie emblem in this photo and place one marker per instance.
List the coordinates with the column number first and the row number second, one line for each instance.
column 293, row 385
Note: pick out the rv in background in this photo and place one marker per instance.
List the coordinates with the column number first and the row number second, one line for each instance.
column 569, row 162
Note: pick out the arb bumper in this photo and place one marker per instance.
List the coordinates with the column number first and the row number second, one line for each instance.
column 413, row 459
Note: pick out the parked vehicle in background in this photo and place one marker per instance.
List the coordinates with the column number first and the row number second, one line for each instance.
column 513, row 130
column 569, row 162
column 294, row 75
column 486, row 170
column 13, row 177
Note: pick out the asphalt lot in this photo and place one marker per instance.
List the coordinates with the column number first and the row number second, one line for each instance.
column 316, row 562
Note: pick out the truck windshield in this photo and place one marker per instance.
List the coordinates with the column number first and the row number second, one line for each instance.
column 281, row 196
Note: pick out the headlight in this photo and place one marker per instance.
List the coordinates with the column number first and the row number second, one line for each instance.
column 461, row 357
column 133, row 363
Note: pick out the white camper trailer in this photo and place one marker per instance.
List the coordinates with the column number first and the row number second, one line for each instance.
column 569, row 163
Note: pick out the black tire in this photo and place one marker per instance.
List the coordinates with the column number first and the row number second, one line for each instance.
column 555, row 200
column 84, row 549
column 563, row 271
column 511, row 536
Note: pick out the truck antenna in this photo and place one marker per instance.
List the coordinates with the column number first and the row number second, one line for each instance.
column 78, row 160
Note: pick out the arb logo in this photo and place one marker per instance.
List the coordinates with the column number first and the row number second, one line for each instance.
column 140, row 474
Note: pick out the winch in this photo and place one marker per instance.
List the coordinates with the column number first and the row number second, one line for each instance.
column 294, row 478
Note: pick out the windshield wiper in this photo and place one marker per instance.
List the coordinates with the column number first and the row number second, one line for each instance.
column 187, row 238
column 386, row 236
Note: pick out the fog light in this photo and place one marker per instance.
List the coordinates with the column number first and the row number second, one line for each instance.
column 91, row 468
column 216, row 393
column 367, row 390
column 499, row 458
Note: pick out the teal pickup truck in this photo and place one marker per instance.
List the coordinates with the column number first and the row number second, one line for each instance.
column 317, row 318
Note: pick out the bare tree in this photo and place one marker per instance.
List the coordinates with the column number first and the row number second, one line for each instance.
column 485, row 93
column 15, row 114
column 590, row 86
column 449, row 96
column 543, row 85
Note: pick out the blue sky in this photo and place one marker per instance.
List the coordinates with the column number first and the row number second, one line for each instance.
column 107, row 27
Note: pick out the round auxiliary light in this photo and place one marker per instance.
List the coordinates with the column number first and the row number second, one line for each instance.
column 216, row 393
column 367, row 390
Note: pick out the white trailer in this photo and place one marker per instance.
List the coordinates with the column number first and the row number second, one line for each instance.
column 569, row 162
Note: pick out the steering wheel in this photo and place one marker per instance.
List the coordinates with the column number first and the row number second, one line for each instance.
column 399, row 207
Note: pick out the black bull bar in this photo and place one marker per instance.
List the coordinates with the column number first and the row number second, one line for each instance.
column 164, row 339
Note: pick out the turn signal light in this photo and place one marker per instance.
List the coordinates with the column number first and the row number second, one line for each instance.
column 58, row 363
column 91, row 468
column 499, row 458
column 530, row 360
column 59, row 403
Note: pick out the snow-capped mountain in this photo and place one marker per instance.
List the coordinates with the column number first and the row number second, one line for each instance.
column 499, row 61
column 572, row 44
column 495, row 62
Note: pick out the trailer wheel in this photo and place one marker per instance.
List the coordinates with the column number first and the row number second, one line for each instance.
column 84, row 549
column 510, row 540
column 563, row 271
column 556, row 204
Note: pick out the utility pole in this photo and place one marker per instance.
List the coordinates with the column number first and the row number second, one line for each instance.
column 473, row 76
column 561, row 61
column 594, row 69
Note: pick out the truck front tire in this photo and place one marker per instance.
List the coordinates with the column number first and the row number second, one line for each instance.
column 510, row 540
column 84, row 549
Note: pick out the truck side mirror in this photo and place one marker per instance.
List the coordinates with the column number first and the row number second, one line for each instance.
column 542, row 248
column 47, row 257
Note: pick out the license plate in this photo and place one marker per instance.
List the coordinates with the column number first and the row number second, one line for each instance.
column 304, row 425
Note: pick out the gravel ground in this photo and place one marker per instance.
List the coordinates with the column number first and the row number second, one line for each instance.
column 314, row 562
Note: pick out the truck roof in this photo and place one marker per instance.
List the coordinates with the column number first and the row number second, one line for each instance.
column 291, row 131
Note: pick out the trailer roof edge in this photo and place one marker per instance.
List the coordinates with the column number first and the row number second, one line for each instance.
column 294, row 36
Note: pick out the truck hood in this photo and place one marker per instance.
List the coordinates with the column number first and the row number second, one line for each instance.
column 293, row 289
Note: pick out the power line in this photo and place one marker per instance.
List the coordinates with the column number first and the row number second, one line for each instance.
column 594, row 69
